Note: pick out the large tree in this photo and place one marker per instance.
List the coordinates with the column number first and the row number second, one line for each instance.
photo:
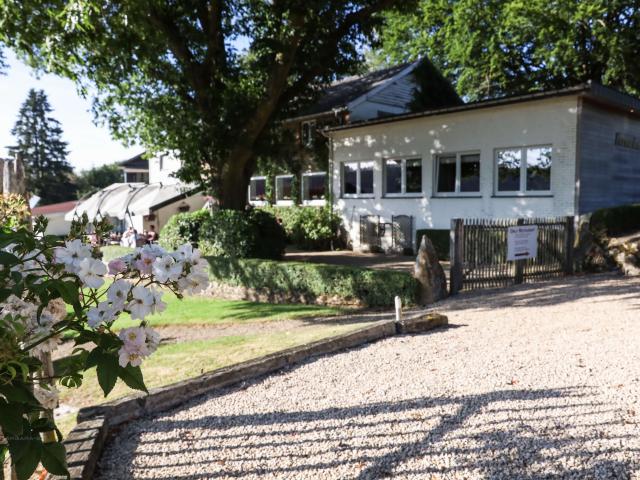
column 208, row 80
column 496, row 47
column 39, row 139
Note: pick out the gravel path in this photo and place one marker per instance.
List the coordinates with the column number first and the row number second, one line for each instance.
column 534, row 382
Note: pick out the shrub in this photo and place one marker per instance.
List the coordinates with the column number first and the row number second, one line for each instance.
column 616, row 221
column 182, row 228
column 440, row 240
column 309, row 228
column 312, row 282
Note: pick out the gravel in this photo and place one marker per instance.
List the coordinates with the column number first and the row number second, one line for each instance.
column 537, row 381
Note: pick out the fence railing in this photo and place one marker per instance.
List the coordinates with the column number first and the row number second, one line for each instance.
column 479, row 252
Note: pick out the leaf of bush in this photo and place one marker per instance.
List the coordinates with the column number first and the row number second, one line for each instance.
column 54, row 458
column 25, row 452
column 11, row 418
column 132, row 376
column 107, row 372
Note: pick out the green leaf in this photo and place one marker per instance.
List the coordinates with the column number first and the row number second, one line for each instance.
column 54, row 458
column 8, row 259
column 107, row 371
column 92, row 358
column 18, row 393
column 132, row 376
column 11, row 418
column 43, row 425
column 26, row 451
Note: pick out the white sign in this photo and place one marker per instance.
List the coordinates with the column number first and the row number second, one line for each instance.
column 522, row 242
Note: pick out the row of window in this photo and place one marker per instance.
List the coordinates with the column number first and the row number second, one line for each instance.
column 313, row 187
column 518, row 170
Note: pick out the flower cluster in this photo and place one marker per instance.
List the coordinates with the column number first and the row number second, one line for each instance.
column 138, row 343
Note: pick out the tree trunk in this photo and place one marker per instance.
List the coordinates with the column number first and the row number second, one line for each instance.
column 234, row 181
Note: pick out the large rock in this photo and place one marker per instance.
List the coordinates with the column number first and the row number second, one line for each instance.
column 429, row 273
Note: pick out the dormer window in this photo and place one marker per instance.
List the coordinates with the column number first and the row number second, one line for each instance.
column 308, row 133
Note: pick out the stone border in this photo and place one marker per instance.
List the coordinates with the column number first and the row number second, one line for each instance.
column 85, row 442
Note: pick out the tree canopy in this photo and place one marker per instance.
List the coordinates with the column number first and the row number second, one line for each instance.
column 97, row 178
column 206, row 79
column 495, row 47
column 39, row 140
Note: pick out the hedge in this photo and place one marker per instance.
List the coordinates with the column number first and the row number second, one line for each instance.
column 313, row 282
column 440, row 240
column 309, row 228
column 616, row 221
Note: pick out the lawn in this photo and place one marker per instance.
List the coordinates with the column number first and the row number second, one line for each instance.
column 109, row 252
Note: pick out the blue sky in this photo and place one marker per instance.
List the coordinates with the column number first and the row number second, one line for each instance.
column 89, row 145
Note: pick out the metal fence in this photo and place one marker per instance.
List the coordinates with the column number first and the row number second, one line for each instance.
column 479, row 252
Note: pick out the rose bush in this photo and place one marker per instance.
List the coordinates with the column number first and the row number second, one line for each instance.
column 48, row 288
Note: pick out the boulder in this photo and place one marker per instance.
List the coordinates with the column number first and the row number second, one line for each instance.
column 429, row 273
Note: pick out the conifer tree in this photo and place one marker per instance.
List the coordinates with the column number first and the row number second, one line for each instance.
column 39, row 140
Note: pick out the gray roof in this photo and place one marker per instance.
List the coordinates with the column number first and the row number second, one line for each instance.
column 135, row 162
column 592, row 90
column 341, row 92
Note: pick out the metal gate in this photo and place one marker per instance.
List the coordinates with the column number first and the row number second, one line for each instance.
column 479, row 252
column 402, row 233
column 373, row 230
column 370, row 231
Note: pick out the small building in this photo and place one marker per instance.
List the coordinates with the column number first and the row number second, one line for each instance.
column 555, row 153
column 135, row 169
column 55, row 213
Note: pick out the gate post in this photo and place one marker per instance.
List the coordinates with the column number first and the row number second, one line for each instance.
column 569, row 240
column 519, row 273
column 456, row 255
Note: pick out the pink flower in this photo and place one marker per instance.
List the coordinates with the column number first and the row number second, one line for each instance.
column 117, row 265
column 145, row 263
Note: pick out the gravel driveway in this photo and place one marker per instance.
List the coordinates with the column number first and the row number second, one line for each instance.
column 539, row 381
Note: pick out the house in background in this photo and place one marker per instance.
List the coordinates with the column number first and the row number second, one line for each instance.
column 379, row 94
column 556, row 153
column 55, row 213
column 135, row 169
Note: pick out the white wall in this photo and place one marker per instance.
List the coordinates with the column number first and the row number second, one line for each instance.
column 161, row 169
column 57, row 224
column 543, row 122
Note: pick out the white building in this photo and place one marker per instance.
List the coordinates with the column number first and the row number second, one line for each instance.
column 55, row 214
column 557, row 153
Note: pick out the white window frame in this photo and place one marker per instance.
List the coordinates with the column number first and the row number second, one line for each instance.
column 311, row 129
column 457, row 192
column 313, row 202
column 257, row 202
column 284, row 202
column 522, row 192
column 358, row 179
column 403, row 177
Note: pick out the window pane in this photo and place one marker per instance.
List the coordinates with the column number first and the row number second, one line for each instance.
column 414, row 176
column 470, row 173
column 257, row 189
column 539, row 168
column 366, row 177
column 509, row 170
column 350, row 178
column 447, row 174
column 313, row 187
column 283, row 188
column 393, row 176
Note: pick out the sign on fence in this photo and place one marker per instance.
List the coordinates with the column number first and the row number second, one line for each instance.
column 522, row 242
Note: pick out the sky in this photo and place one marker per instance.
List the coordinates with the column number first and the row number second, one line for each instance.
column 89, row 145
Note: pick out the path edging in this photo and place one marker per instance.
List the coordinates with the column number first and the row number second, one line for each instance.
column 85, row 442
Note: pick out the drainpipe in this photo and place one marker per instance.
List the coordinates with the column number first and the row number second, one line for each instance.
column 330, row 173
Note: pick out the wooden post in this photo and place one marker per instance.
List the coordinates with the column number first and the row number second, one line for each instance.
column 519, row 274
column 456, row 254
column 569, row 241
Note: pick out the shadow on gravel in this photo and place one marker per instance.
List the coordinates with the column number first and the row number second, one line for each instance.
column 595, row 287
column 512, row 433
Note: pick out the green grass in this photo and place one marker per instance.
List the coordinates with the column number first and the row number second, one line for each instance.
column 110, row 252
column 179, row 361
column 198, row 310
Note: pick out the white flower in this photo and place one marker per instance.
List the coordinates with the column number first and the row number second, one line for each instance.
column 72, row 254
column 141, row 304
column 129, row 357
column 145, row 263
column 104, row 312
column 166, row 268
column 48, row 397
column 153, row 339
column 117, row 293
column 158, row 305
column 134, row 336
column 134, row 347
column 18, row 307
column 194, row 283
column 92, row 272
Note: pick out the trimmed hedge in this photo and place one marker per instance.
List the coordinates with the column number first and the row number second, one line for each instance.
column 182, row 228
column 440, row 240
column 308, row 228
column 310, row 282
column 616, row 221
